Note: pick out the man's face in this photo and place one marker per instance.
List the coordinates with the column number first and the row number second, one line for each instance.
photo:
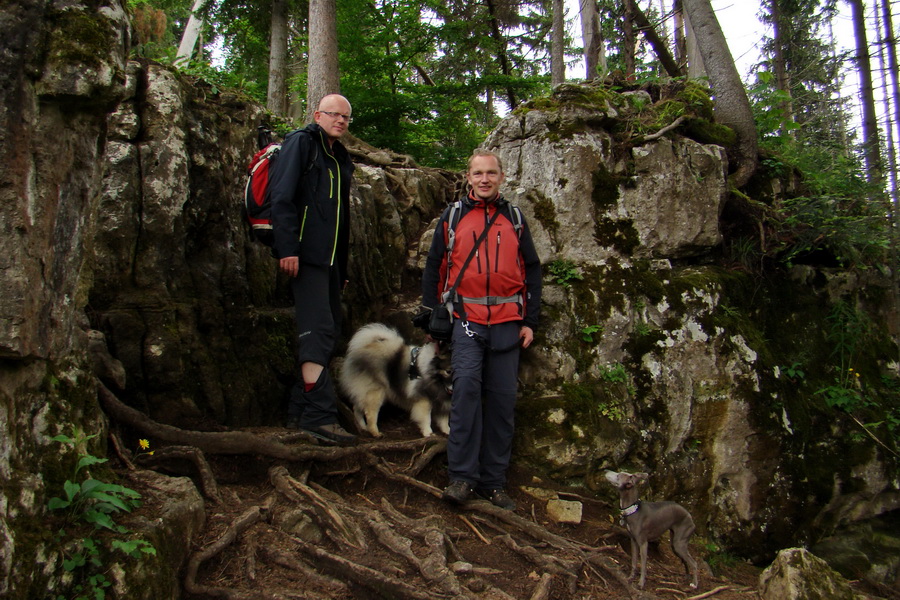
column 485, row 177
column 333, row 116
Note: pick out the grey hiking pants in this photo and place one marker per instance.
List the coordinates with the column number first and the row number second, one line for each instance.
column 482, row 416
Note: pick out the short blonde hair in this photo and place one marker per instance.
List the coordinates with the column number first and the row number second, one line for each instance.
column 478, row 153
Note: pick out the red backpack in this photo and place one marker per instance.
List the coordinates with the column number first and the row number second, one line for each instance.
column 257, row 204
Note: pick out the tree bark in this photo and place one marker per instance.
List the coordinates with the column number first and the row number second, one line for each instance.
column 732, row 104
column 189, row 37
column 696, row 69
column 276, row 100
column 557, row 45
column 323, row 74
column 656, row 42
column 871, row 141
column 591, row 38
column 680, row 38
column 782, row 78
column 500, row 42
column 629, row 41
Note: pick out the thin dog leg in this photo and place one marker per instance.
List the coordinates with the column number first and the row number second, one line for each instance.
column 680, row 547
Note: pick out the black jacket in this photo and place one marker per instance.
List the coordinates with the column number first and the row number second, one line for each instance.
column 310, row 192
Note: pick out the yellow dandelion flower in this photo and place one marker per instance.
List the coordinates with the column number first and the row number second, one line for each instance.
column 144, row 444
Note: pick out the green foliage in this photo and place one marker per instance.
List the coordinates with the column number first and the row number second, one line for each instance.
column 718, row 558
column 614, row 373
column 588, row 331
column 89, row 504
column 565, row 271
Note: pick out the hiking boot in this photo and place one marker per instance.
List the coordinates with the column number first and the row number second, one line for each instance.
column 332, row 434
column 498, row 497
column 457, row 492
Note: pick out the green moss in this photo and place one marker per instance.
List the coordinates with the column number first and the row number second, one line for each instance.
column 544, row 212
column 604, row 189
column 80, row 38
column 696, row 97
column 707, row 132
column 616, row 233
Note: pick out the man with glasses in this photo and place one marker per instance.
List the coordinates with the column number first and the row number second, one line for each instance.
column 493, row 261
column 310, row 194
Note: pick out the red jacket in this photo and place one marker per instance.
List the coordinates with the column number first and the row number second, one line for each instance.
column 502, row 281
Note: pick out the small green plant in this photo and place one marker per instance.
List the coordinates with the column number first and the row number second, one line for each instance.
column 614, row 373
column 793, row 372
column 565, row 271
column 718, row 558
column 588, row 331
column 91, row 504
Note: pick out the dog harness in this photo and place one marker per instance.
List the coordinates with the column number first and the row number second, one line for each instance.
column 414, row 372
column 628, row 511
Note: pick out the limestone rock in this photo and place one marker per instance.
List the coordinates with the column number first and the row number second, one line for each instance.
column 564, row 511
column 797, row 574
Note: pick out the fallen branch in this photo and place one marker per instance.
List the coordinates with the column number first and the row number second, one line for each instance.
column 711, row 592
column 655, row 136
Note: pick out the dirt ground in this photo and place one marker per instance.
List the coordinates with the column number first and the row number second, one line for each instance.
column 362, row 527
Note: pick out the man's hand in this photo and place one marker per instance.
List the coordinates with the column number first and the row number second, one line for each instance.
column 290, row 265
column 526, row 335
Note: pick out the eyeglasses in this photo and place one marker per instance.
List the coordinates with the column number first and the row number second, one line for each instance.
column 337, row 115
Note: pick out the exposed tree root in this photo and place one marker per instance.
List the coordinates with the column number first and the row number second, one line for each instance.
column 237, row 528
column 193, row 455
column 360, row 542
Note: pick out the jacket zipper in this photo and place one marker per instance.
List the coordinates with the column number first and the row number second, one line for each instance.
column 497, row 255
column 303, row 223
column 331, row 192
column 487, row 260
column 477, row 252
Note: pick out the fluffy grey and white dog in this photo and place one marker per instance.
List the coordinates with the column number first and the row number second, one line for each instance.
column 381, row 367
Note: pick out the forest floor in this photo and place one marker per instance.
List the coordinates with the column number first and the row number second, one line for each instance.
column 367, row 522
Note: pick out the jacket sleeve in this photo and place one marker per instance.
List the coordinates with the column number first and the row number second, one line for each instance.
column 435, row 264
column 285, row 179
column 533, row 278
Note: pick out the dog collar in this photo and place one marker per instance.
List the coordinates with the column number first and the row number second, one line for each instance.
column 628, row 511
column 414, row 372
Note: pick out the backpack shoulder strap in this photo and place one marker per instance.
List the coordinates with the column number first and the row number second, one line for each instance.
column 452, row 222
column 517, row 219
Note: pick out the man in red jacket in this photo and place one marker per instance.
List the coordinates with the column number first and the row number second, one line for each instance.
column 496, row 309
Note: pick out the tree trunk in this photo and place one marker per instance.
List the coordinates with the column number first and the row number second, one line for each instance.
column 696, row 69
column 323, row 75
column 871, row 143
column 681, row 56
column 500, row 42
column 189, row 37
column 628, row 41
column 782, row 78
column 557, row 45
column 276, row 100
column 656, row 42
column 732, row 104
column 892, row 73
column 590, row 35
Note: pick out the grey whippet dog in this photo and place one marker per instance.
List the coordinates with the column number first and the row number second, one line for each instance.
column 647, row 521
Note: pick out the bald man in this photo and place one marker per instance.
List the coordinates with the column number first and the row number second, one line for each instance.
column 310, row 193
